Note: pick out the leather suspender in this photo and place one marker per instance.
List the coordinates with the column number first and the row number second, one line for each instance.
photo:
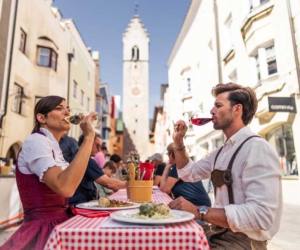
column 226, row 174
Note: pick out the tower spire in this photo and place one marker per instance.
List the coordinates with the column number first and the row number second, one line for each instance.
column 136, row 7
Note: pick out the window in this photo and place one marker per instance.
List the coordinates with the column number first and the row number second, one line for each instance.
column 271, row 60
column 74, row 58
column 22, row 40
column 135, row 54
column 89, row 76
column 47, row 58
column 75, row 89
column 88, row 104
column 188, row 82
column 228, row 36
column 17, row 98
column 82, row 98
column 257, row 67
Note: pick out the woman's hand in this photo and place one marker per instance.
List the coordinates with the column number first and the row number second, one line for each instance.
column 87, row 126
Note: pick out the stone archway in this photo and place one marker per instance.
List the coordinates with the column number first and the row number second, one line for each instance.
column 13, row 151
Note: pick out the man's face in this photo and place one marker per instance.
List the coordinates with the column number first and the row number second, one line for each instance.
column 155, row 162
column 96, row 146
column 222, row 112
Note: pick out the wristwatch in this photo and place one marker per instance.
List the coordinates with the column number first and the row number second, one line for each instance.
column 202, row 212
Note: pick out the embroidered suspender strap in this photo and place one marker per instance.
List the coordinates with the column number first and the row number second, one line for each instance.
column 227, row 177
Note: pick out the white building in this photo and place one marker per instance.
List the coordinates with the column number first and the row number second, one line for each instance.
column 250, row 43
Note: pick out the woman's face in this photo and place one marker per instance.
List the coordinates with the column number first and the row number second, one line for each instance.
column 55, row 119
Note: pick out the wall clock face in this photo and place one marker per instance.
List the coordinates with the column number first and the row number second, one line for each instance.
column 136, row 91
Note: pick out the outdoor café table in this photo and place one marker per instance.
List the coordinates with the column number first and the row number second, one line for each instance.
column 86, row 233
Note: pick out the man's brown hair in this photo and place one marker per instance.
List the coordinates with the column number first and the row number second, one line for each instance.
column 171, row 150
column 239, row 94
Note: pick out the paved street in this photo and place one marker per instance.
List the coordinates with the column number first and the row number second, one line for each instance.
column 288, row 237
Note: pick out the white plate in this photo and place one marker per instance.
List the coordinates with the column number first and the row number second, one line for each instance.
column 93, row 205
column 125, row 216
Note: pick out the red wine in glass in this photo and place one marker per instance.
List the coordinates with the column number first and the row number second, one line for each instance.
column 200, row 117
column 200, row 121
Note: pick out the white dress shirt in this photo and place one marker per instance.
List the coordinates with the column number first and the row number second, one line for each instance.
column 39, row 153
column 257, row 188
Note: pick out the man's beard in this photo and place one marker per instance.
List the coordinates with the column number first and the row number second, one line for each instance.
column 225, row 123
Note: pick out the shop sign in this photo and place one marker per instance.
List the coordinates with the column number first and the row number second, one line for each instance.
column 282, row 104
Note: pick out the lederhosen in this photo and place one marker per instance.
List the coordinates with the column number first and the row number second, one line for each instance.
column 223, row 238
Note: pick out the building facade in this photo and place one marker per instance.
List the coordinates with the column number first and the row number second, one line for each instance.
column 136, row 89
column 81, row 74
column 253, row 43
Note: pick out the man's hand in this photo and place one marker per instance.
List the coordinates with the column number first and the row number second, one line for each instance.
column 182, row 204
column 180, row 129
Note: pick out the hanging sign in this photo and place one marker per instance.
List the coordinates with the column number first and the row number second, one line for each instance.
column 282, row 104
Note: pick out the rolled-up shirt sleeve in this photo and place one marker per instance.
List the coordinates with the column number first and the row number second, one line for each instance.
column 261, row 185
column 195, row 171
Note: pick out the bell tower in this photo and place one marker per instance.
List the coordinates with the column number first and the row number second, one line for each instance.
column 136, row 89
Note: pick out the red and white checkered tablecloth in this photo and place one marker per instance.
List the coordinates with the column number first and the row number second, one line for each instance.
column 84, row 233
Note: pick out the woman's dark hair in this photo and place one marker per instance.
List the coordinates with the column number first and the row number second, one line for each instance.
column 44, row 106
column 111, row 165
column 239, row 94
column 81, row 138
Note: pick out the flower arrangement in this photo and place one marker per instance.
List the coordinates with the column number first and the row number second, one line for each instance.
column 134, row 158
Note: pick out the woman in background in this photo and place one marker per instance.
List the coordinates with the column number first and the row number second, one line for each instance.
column 44, row 178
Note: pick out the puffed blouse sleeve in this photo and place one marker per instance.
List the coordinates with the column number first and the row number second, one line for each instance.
column 38, row 154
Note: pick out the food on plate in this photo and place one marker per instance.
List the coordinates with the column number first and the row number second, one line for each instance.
column 148, row 209
column 162, row 209
column 152, row 211
column 106, row 202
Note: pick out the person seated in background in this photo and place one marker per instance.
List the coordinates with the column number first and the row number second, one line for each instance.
column 87, row 191
column 104, row 151
column 100, row 156
column 118, row 162
column 69, row 147
column 187, row 195
column 159, row 166
column 109, row 169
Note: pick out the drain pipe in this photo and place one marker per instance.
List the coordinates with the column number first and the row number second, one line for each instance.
column 294, row 45
column 220, row 78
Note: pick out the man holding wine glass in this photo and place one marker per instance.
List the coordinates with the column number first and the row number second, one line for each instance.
column 245, row 173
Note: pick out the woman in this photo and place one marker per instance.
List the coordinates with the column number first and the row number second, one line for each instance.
column 44, row 178
column 193, row 192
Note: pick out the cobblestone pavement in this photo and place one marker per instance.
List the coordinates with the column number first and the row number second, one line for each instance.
column 287, row 238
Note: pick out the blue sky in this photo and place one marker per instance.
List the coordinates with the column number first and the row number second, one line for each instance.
column 102, row 23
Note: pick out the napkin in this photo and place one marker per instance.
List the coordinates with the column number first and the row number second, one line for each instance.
column 90, row 213
column 148, row 168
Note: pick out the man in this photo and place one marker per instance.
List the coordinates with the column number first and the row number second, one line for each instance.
column 248, row 209
column 69, row 147
column 87, row 190
column 159, row 167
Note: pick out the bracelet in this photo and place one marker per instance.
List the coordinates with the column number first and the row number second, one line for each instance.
column 179, row 149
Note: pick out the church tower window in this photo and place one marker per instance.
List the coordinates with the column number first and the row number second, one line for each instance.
column 135, row 54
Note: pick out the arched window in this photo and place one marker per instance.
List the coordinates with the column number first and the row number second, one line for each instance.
column 135, row 53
